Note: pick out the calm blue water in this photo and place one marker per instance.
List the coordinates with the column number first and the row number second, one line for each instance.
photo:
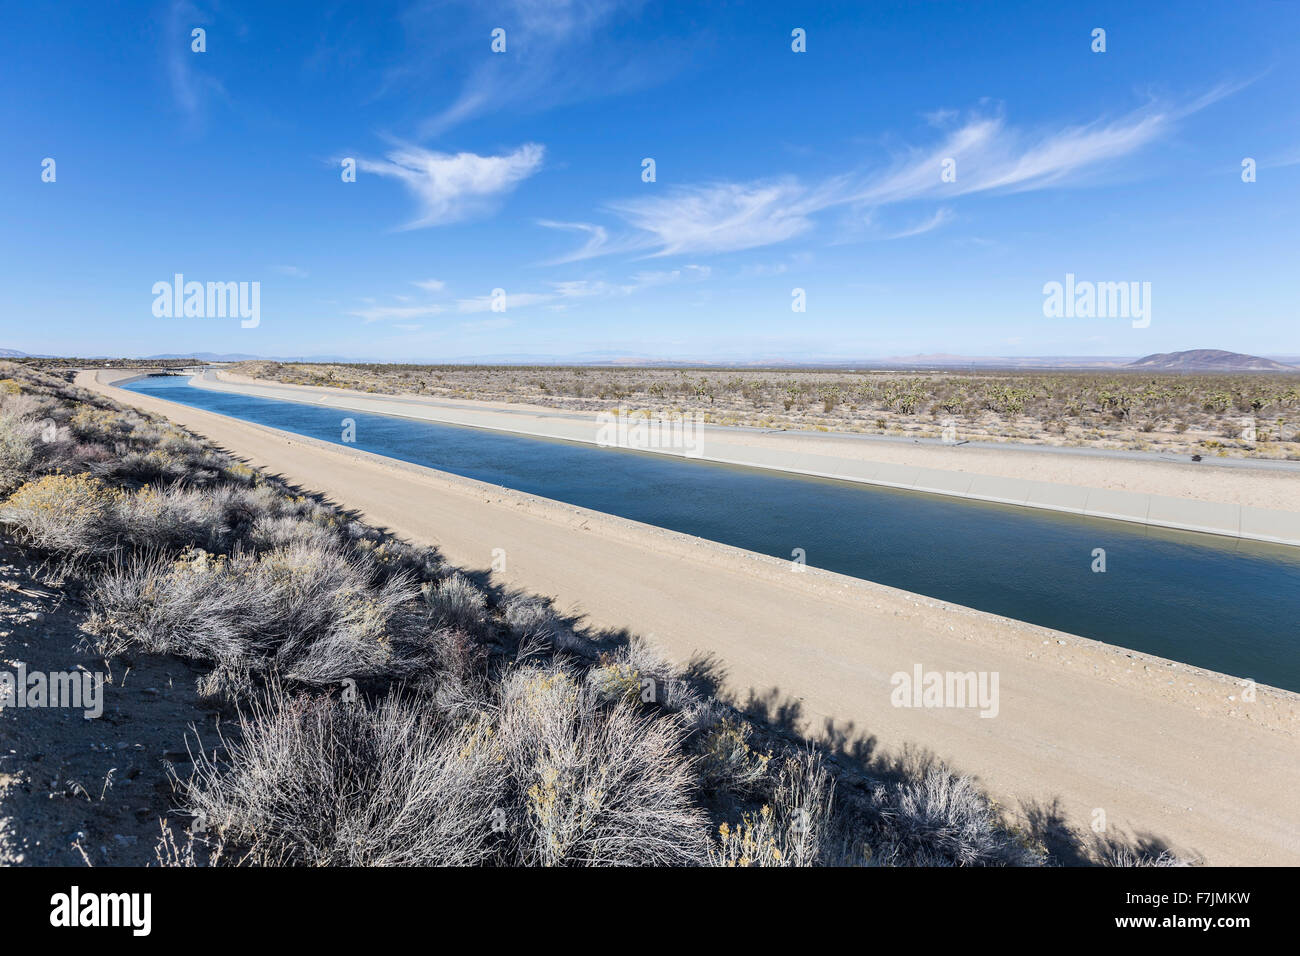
column 1227, row 605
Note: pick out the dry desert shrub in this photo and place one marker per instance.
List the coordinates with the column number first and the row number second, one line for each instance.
column 172, row 518
column 455, row 602
column 595, row 785
column 938, row 818
column 546, row 777
column 319, row 782
column 70, row 514
column 311, row 613
column 533, row 622
column 788, row 830
column 729, row 762
column 18, row 437
column 1109, row 853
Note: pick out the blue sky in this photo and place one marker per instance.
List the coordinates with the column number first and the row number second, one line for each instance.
column 775, row 170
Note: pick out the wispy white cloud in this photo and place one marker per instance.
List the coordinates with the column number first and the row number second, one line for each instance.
column 380, row 313
column 452, row 187
column 940, row 117
column 720, row 217
column 763, row 270
column 942, row 216
column 596, row 244
column 294, row 271
column 641, row 280
column 556, row 295
column 191, row 87
column 516, row 300
column 988, row 155
column 557, row 51
column 1291, row 158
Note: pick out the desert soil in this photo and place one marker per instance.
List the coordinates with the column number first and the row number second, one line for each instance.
column 69, row 785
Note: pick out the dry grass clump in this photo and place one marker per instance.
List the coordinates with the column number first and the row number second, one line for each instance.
column 70, row 514
column 729, row 762
column 455, row 602
column 35, row 439
column 173, row 517
column 541, row 776
column 311, row 613
column 277, row 531
column 319, row 782
column 1128, row 857
column 84, row 515
column 791, row 829
column 533, row 621
column 17, row 448
column 595, row 785
column 942, row 819
column 635, row 672
column 192, row 850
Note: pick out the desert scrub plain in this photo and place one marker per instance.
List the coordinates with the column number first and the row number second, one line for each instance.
column 384, row 708
column 1177, row 414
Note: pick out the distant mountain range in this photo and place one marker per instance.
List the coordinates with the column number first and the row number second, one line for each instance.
column 1193, row 360
column 1209, row 360
column 943, row 360
column 241, row 357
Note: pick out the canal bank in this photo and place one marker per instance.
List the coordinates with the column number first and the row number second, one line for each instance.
column 1198, row 508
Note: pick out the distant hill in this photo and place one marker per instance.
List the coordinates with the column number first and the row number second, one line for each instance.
column 13, row 353
column 1209, row 360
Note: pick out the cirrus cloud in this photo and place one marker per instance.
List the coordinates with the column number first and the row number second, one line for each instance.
column 989, row 156
column 451, row 187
